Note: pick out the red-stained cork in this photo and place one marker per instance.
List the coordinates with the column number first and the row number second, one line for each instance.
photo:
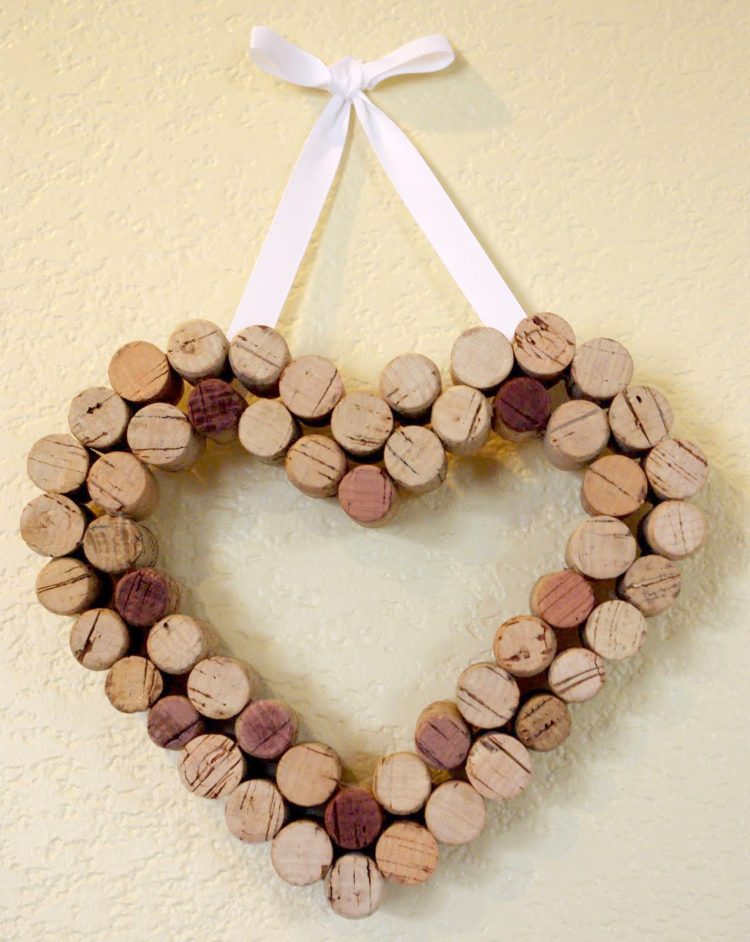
column 145, row 596
column 353, row 818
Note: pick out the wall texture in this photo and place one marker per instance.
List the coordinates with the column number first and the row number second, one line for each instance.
column 599, row 149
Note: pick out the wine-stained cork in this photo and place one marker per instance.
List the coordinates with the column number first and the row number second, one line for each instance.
column 406, row 853
column 401, row 782
column 576, row 675
column 67, row 586
column 308, row 774
column 258, row 355
column 544, row 345
column 99, row 418
column 316, row 464
column 178, row 642
column 361, row 424
column 521, row 409
column 140, row 372
column 197, row 350
column 145, row 596
column 221, row 687
column 58, row 464
column 255, row 811
column 675, row 529
column 676, row 469
column 543, row 722
column 482, row 357
column 161, row 435
column 563, row 599
column 640, row 417
column 652, row 584
column 133, row 684
column 353, row 818
column 120, row 483
column 613, row 486
column 601, row 369
column 455, row 813
column 576, row 433
column 601, row 548
column 461, row 419
column 524, row 645
column 410, row 384
column 302, row 853
column 116, row 544
column 368, row 495
column 52, row 525
column 215, row 409
column 442, row 736
column 615, row 630
column 310, row 387
column 99, row 638
column 415, row 459
column 354, row 886
column 498, row 766
column 487, row 695
column 267, row 429
column 173, row 722
column 211, row 766
column 265, row 729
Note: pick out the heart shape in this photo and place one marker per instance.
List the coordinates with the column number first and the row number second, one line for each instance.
column 239, row 744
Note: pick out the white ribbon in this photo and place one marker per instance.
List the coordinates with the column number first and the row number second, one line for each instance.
column 292, row 227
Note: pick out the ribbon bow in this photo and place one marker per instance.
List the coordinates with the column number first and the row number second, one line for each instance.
column 291, row 230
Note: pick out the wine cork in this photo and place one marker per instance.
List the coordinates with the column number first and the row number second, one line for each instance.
column 265, row 729
column 640, row 417
column 211, row 766
column 543, row 722
column 173, row 722
column 267, row 429
column 178, row 642
column 310, row 387
column 161, row 435
column 140, row 372
column 498, row 766
column 401, row 782
column 461, row 419
column 302, row 853
column 676, row 469
column 410, row 384
column 67, row 586
column 354, row 886
column 615, row 630
column 99, row 638
column 600, row 370
column 563, row 599
column 255, row 811
column 145, row 596
column 99, row 418
column 116, row 544
column 197, row 350
column 316, row 464
column 601, row 548
column 120, row 483
column 652, row 584
column 486, row 695
column 361, row 423
column 442, row 736
column 52, row 525
column 544, row 346
column 221, row 687
column 455, row 813
column 521, row 409
column 308, row 774
column 214, row 409
column 133, row 684
column 406, row 853
column 482, row 357
column 524, row 645
column 613, row 486
column 58, row 464
column 577, row 432
column 576, row 675
column 353, row 818
column 415, row 459
column 675, row 529
column 258, row 355
column 368, row 495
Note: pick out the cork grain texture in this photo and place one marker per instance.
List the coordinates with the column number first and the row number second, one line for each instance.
column 599, row 151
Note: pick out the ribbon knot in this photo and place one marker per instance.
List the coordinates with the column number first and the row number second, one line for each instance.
column 346, row 78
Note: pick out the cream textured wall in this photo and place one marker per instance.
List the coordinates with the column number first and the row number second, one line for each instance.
column 599, row 149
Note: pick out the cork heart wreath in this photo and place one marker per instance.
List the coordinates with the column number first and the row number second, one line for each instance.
column 235, row 742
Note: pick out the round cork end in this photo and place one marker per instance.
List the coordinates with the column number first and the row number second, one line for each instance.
column 521, row 409
column 368, row 495
column 544, row 345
